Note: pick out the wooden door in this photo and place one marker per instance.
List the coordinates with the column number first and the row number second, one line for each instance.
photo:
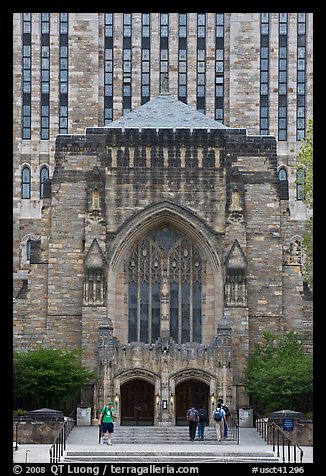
column 188, row 393
column 137, row 403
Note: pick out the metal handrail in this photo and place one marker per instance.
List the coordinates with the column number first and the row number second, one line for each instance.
column 281, row 442
column 59, row 444
column 233, row 425
column 286, row 443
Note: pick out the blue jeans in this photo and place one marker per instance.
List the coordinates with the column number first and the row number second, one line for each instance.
column 201, row 429
column 225, row 429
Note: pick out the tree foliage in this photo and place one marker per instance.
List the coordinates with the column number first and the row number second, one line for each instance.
column 46, row 375
column 279, row 374
column 305, row 164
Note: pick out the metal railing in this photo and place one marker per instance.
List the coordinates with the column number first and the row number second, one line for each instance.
column 233, row 427
column 282, row 444
column 58, row 446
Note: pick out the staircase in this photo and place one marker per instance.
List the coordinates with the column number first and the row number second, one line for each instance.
column 162, row 435
column 135, row 445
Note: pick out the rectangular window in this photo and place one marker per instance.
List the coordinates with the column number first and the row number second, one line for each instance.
column 63, row 73
column 182, row 57
column 26, row 76
column 282, row 77
column 219, row 67
column 201, row 62
column 164, row 47
column 127, row 63
column 45, row 76
column 301, row 76
column 145, row 58
column 108, row 68
column 264, row 74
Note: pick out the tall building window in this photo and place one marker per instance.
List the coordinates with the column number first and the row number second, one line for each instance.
column 201, row 62
column 264, row 74
column 300, row 179
column 145, row 57
column 282, row 76
column 45, row 76
column 26, row 182
column 44, row 175
column 182, row 59
column 108, row 68
column 219, row 67
column 27, row 75
column 301, row 76
column 127, row 63
column 28, row 249
column 164, row 46
column 165, row 279
column 63, row 73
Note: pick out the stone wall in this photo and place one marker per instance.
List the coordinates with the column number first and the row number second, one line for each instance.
column 36, row 432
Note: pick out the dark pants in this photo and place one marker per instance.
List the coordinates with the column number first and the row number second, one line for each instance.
column 192, row 430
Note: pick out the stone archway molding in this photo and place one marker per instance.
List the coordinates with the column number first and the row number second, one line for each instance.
column 164, row 213
column 202, row 376
column 134, row 374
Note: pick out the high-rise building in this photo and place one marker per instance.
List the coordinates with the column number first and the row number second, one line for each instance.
column 122, row 117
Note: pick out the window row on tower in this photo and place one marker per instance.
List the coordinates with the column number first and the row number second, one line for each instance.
column 26, row 181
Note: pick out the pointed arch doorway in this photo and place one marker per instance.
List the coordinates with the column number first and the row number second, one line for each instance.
column 187, row 393
column 137, row 403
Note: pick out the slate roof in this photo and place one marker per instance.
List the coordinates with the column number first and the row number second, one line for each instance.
column 165, row 111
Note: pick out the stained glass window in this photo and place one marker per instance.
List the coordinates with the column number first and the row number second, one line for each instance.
column 165, row 253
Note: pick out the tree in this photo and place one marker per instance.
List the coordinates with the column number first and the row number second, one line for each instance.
column 279, row 374
column 305, row 166
column 46, row 375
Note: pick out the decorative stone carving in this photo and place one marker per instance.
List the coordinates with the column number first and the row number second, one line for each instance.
column 95, row 277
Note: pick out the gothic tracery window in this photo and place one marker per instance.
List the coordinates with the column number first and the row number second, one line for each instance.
column 164, row 254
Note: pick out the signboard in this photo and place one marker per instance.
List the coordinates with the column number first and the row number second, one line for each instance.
column 288, row 424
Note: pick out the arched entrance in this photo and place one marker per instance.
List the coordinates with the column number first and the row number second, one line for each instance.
column 137, row 403
column 187, row 393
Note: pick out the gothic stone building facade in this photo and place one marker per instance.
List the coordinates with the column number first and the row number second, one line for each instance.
column 164, row 252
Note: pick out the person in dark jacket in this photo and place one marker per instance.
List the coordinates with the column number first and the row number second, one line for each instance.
column 202, row 422
column 193, row 420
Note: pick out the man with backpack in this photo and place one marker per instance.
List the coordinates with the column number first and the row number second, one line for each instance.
column 202, row 422
column 227, row 414
column 193, row 420
column 219, row 419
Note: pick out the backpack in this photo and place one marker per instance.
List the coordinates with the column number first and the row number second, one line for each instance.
column 192, row 414
column 226, row 409
column 202, row 415
column 217, row 415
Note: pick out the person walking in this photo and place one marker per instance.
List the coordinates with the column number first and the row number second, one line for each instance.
column 219, row 418
column 193, row 419
column 106, row 418
column 202, row 422
column 227, row 414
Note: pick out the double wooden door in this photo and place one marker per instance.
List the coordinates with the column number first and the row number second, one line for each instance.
column 137, row 403
column 188, row 393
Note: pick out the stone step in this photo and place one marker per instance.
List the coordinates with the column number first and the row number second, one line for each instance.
column 111, row 456
column 147, row 434
column 178, row 438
